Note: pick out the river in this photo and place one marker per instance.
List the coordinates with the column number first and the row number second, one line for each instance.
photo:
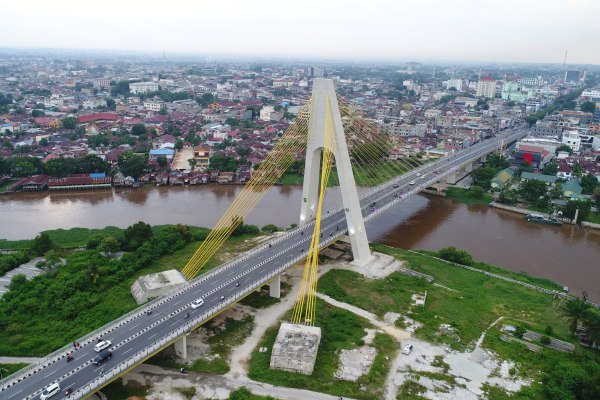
column 565, row 254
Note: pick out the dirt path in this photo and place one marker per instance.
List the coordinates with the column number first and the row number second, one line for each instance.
column 264, row 319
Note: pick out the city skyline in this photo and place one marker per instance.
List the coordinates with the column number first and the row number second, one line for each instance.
column 430, row 30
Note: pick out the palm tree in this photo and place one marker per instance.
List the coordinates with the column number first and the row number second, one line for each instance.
column 592, row 328
column 576, row 310
column 94, row 273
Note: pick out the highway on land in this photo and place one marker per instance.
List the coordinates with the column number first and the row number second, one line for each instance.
column 137, row 331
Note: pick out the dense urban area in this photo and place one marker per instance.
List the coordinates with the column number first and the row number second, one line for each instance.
column 433, row 320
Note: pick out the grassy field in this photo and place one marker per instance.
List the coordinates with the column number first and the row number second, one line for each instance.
column 593, row 217
column 466, row 196
column 244, row 394
column 65, row 238
column 468, row 301
column 520, row 276
column 291, row 179
column 8, row 369
column 340, row 330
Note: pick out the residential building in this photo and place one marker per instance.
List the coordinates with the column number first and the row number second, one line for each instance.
column 547, row 179
column 572, row 139
column 143, row 87
column 202, row 156
column 486, row 87
column 455, row 83
column 502, row 178
column 102, row 83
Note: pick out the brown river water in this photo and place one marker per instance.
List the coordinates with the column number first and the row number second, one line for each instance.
column 565, row 254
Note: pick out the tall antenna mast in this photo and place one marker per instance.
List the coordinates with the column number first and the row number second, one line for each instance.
column 565, row 61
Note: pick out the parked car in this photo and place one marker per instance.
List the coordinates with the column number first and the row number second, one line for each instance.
column 411, row 182
column 105, row 344
column 50, row 391
column 196, row 303
column 407, row 349
column 103, row 356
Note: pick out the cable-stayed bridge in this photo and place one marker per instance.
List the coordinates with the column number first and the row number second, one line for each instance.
column 342, row 147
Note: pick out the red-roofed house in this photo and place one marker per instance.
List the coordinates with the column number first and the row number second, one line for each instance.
column 104, row 116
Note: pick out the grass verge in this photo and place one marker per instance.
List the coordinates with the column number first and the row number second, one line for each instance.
column 467, row 197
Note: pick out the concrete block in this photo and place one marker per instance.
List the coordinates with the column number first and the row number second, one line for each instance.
column 154, row 285
column 296, row 348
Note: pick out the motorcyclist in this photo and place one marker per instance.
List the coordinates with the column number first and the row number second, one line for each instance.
column 187, row 315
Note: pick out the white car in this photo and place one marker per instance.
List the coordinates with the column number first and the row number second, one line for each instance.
column 196, row 303
column 418, row 174
column 105, row 344
column 411, row 182
column 407, row 349
column 50, row 391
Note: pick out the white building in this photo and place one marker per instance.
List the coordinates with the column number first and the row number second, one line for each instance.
column 486, row 87
column 454, row 83
column 143, row 87
column 268, row 113
column 94, row 103
column 153, row 105
column 572, row 139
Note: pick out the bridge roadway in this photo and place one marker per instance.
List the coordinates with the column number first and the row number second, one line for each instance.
column 138, row 335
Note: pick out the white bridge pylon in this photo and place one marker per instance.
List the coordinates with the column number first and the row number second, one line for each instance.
column 322, row 91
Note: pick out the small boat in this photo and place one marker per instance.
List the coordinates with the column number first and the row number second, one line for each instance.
column 542, row 219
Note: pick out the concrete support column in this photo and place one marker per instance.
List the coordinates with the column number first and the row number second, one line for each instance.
column 181, row 347
column 469, row 167
column 275, row 287
column 451, row 178
column 483, row 158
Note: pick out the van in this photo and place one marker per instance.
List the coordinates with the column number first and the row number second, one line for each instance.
column 50, row 391
column 102, row 345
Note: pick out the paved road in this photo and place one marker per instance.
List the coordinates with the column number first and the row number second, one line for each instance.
column 139, row 335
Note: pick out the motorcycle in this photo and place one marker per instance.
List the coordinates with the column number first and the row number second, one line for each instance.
column 69, row 357
column 187, row 315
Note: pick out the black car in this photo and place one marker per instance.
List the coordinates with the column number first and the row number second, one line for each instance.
column 103, row 356
column 396, row 186
column 373, row 204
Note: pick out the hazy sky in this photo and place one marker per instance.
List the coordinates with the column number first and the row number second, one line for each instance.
column 478, row 30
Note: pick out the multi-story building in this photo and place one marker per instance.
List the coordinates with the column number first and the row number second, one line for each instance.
column 455, row 83
column 513, row 91
column 532, row 82
column 486, row 87
column 102, row 83
column 153, row 104
column 143, row 87
column 572, row 139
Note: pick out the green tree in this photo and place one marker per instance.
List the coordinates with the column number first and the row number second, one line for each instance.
column 69, row 123
column 43, row 142
column 139, row 129
column 570, row 209
column 592, row 327
column 136, row 235
column 233, row 122
column 24, row 168
column 588, row 106
column 41, row 244
column 38, row 113
column 576, row 311
column 531, row 190
column 131, row 164
column 270, row 228
column 109, row 245
column 93, row 273
column 483, row 177
column 550, row 168
column 477, row 191
column 192, row 162
column 223, row 163
column 243, row 151
column 205, row 99
column 497, row 161
column 589, row 182
column 179, row 144
column 95, row 240
column 564, row 147
column 162, row 161
column 110, row 103
column 508, row 196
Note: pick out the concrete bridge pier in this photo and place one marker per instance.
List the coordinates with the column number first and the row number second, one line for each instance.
column 483, row 158
column 180, row 347
column 452, row 178
column 275, row 287
column 468, row 166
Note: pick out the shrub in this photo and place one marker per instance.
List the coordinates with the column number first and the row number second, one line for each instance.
column 41, row 244
column 455, row 255
column 270, row 228
column 545, row 340
column 520, row 331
